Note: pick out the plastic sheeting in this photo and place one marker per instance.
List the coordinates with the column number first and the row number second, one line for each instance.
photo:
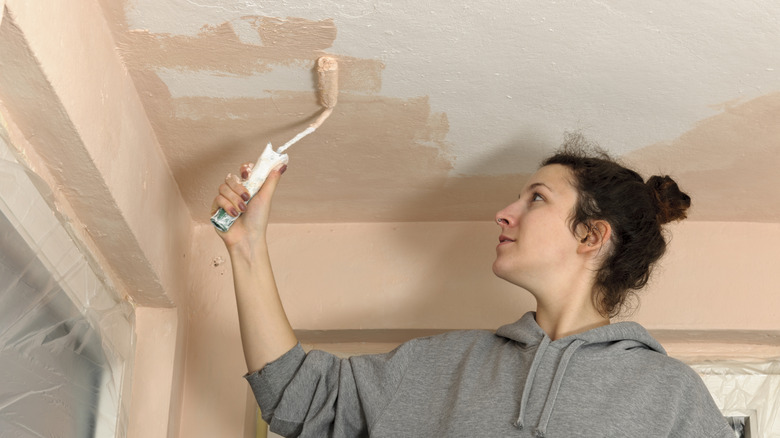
column 66, row 339
column 749, row 390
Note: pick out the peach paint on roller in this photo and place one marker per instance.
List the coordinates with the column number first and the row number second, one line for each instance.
column 328, row 86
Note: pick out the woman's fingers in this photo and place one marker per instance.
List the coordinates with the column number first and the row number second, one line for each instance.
column 245, row 170
column 235, row 184
column 231, row 196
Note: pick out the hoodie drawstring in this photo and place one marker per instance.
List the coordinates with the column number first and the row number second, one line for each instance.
column 541, row 429
column 529, row 381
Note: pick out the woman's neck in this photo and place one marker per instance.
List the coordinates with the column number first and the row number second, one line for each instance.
column 566, row 316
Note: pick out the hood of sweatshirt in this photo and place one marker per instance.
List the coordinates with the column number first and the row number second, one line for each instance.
column 606, row 340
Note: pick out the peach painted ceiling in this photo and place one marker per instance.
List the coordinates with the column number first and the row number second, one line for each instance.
column 446, row 107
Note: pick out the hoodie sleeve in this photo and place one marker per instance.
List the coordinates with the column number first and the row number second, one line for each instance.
column 697, row 412
column 318, row 394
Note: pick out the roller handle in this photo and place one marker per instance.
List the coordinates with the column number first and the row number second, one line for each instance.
column 267, row 162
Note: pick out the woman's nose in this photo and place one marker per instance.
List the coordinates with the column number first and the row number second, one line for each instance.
column 503, row 218
column 509, row 215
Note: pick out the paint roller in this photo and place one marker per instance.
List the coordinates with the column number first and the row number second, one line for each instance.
column 328, row 87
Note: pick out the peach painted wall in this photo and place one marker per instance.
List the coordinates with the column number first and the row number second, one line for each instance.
column 716, row 276
column 437, row 275
column 155, row 362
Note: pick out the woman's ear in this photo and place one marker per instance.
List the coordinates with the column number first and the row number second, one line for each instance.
column 597, row 235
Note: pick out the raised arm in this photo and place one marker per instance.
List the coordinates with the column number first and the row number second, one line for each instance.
column 266, row 333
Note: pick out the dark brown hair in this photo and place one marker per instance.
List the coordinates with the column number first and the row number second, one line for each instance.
column 635, row 210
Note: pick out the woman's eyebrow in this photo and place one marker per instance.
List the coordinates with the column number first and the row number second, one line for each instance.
column 537, row 184
column 534, row 186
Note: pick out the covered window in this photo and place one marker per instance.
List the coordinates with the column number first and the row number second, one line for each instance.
column 66, row 338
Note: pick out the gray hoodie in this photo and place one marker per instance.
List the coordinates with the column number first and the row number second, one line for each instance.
column 612, row 381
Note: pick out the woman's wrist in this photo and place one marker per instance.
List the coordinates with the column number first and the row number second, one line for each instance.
column 248, row 250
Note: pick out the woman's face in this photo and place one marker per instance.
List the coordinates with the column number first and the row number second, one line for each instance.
column 536, row 240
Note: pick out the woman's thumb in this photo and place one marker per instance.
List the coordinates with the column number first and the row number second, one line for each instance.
column 269, row 186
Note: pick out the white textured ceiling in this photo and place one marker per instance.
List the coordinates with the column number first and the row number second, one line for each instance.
column 445, row 107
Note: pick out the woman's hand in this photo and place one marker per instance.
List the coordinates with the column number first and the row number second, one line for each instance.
column 233, row 197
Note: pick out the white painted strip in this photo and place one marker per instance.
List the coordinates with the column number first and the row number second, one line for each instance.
column 204, row 83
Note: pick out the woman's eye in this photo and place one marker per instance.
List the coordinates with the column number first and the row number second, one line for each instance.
column 536, row 197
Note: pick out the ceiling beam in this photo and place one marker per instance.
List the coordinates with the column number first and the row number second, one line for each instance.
column 68, row 92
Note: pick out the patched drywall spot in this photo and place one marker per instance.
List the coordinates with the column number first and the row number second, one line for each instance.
column 728, row 163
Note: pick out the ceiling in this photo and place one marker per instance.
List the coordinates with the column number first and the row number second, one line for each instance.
column 444, row 108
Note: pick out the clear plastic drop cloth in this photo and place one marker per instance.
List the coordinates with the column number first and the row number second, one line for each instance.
column 66, row 338
column 748, row 392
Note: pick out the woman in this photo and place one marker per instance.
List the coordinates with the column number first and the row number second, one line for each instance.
column 583, row 233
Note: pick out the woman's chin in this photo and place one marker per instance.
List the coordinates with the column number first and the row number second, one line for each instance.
column 501, row 271
column 508, row 274
column 496, row 269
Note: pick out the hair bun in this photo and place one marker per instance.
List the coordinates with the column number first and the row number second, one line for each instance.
column 671, row 203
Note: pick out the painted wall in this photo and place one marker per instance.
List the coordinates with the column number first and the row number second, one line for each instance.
column 716, row 276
